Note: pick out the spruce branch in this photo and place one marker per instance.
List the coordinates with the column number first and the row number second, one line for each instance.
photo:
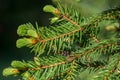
column 69, row 30
column 70, row 47
column 49, row 63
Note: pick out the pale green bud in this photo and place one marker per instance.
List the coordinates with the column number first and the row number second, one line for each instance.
column 18, row 64
column 27, row 30
column 22, row 29
column 49, row 8
column 26, row 74
column 32, row 33
column 112, row 27
column 36, row 60
column 10, row 71
column 25, row 42
column 54, row 19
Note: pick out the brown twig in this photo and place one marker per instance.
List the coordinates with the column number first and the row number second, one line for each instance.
column 94, row 38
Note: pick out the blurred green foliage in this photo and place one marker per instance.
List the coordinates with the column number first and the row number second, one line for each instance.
column 90, row 7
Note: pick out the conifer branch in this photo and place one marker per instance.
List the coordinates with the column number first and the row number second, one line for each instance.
column 76, row 56
column 44, row 38
column 70, row 45
column 108, row 14
column 66, row 17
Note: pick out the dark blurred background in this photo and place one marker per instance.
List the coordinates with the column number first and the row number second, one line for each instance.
column 16, row 12
column 12, row 14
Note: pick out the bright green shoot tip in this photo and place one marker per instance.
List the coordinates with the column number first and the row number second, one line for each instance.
column 49, row 8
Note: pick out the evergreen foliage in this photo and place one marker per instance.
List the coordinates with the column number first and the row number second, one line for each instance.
column 72, row 47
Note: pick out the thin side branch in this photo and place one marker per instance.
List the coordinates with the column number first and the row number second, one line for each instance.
column 72, row 57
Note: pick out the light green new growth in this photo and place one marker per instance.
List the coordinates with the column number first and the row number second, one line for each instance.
column 27, row 30
column 18, row 64
column 25, row 42
column 10, row 71
column 49, row 8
